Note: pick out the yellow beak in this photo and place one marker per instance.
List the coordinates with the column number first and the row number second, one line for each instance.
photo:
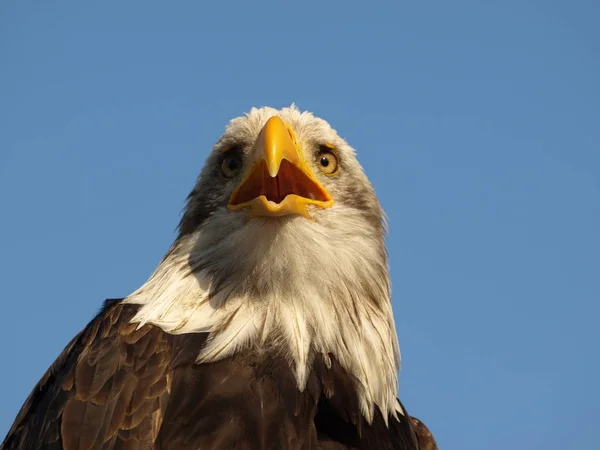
column 278, row 181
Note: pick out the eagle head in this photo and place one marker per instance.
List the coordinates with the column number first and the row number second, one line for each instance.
column 281, row 248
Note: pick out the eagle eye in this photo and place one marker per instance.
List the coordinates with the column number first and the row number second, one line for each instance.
column 327, row 161
column 231, row 165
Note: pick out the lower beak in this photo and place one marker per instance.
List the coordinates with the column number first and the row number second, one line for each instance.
column 278, row 181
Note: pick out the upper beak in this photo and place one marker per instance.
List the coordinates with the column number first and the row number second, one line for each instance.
column 278, row 181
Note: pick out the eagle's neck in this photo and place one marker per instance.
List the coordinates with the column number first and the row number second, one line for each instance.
column 266, row 285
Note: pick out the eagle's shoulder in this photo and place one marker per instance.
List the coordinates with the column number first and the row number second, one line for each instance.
column 108, row 385
column 424, row 436
column 110, row 388
column 340, row 423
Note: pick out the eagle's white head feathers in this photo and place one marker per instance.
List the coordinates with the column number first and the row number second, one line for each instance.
column 304, row 288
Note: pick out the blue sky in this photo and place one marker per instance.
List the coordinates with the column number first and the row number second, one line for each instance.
column 479, row 125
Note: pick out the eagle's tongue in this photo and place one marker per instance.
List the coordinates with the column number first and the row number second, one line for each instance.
column 289, row 180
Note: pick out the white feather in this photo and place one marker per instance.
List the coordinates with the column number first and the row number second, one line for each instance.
column 317, row 287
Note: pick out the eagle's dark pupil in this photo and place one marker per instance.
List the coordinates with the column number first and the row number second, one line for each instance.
column 324, row 161
column 234, row 164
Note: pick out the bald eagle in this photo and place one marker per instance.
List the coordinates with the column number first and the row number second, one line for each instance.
column 267, row 325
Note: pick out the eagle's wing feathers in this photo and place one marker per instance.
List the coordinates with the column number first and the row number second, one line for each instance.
column 109, row 385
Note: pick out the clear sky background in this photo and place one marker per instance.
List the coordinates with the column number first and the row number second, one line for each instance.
column 478, row 122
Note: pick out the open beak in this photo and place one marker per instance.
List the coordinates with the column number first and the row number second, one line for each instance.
column 278, row 181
